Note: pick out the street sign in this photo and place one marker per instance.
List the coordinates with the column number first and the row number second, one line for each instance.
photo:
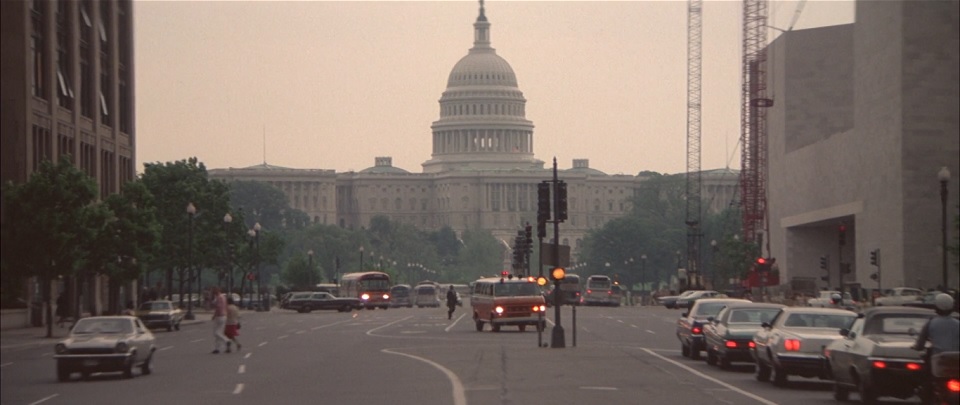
column 546, row 255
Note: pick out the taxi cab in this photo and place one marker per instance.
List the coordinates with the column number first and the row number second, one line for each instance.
column 507, row 300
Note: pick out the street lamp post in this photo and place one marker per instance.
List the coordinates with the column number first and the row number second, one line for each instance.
column 678, row 266
column 227, row 219
column 310, row 266
column 643, row 279
column 713, row 262
column 191, row 212
column 256, row 242
column 361, row 258
column 944, row 176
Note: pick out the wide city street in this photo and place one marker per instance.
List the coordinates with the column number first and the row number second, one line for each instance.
column 625, row 355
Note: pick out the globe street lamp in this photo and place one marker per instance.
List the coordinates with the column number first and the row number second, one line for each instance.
column 310, row 266
column 191, row 212
column 944, row 176
column 361, row 258
column 227, row 219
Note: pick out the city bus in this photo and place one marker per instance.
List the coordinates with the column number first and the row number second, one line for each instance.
column 371, row 287
column 599, row 291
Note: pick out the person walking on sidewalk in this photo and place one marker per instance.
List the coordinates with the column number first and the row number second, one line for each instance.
column 232, row 329
column 219, row 320
column 451, row 302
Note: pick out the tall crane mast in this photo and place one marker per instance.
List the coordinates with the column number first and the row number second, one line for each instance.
column 694, row 180
column 753, row 124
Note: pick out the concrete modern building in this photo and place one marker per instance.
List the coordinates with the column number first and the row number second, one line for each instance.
column 865, row 116
column 67, row 88
column 482, row 172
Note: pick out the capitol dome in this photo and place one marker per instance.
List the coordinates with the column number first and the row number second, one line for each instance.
column 483, row 122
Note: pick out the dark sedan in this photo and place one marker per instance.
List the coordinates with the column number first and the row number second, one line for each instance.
column 306, row 302
column 690, row 324
column 874, row 356
column 670, row 301
column 729, row 337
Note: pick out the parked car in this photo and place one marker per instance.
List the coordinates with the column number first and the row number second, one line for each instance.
column 824, row 300
column 688, row 300
column 690, row 324
column 105, row 344
column 729, row 336
column 792, row 343
column 899, row 296
column 160, row 314
column 670, row 301
column 426, row 295
column 305, row 302
column 874, row 356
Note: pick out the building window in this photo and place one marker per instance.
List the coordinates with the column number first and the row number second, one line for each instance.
column 64, row 58
column 398, row 204
column 42, row 146
column 38, row 77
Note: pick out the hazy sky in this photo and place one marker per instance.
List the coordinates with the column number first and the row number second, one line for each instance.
column 335, row 84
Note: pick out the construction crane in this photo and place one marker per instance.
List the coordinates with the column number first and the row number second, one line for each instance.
column 753, row 128
column 694, row 180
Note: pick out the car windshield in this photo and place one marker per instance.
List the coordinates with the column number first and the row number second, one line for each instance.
column 752, row 315
column 898, row 324
column 687, row 293
column 709, row 309
column 155, row 306
column 598, row 283
column 836, row 321
column 400, row 292
column 515, row 289
column 376, row 284
column 91, row 326
column 426, row 290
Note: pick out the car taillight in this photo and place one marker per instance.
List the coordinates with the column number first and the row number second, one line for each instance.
column 731, row 344
column 498, row 309
column 791, row 345
column 879, row 364
column 913, row 366
column 751, row 345
column 696, row 330
column 589, row 291
column 365, row 296
column 953, row 385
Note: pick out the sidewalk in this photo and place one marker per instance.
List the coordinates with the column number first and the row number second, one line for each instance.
column 37, row 336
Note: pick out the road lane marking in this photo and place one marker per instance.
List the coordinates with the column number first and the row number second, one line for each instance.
column 600, row 388
column 166, row 348
column 262, row 344
column 242, row 369
column 282, row 337
column 247, row 356
column 714, row 380
column 300, row 332
column 238, row 389
column 330, row 324
column 44, row 399
column 459, row 397
column 370, row 332
column 447, row 329
column 196, row 340
column 6, row 364
column 651, row 332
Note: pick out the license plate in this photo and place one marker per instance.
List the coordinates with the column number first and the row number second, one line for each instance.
column 91, row 363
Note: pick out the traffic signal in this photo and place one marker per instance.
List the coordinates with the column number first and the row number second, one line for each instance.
column 557, row 273
column 561, row 201
column 543, row 203
column 875, row 257
column 843, row 235
column 823, row 262
column 541, row 230
column 528, row 237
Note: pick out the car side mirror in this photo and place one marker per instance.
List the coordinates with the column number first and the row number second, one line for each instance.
column 684, row 315
column 844, row 332
column 711, row 319
column 765, row 325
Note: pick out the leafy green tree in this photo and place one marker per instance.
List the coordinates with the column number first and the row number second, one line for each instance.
column 298, row 275
column 267, row 205
column 49, row 218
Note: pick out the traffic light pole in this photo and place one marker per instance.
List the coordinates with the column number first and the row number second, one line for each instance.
column 557, row 339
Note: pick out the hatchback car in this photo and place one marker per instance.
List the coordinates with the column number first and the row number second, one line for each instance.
column 105, row 344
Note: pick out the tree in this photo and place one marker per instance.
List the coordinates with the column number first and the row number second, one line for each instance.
column 298, row 274
column 50, row 217
column 267, row 205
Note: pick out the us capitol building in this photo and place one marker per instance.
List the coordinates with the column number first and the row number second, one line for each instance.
column 482, row 172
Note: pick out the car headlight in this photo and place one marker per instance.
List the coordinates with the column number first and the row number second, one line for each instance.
column 365, row 296
column 122, row 347
column 60, row 348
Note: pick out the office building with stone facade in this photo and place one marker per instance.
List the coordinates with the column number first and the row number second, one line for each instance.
column 864, row 118
column 482, row 172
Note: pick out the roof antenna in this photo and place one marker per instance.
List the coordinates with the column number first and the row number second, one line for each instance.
column 264, row 144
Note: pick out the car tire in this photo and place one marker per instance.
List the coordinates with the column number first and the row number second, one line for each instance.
column 479, row 325
column 711, row 357
column 128, row 367
column 684, row 350
column 170, row 327
column 177, row 326
column 694, row 352
column 761, row 371
column 523, row 328
column 307, row 309
column 495, row 327
column 147, row 367
column 779, row 376
column 840, row 392
column 63, row 372
column 346, row 308
column 867, row 395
